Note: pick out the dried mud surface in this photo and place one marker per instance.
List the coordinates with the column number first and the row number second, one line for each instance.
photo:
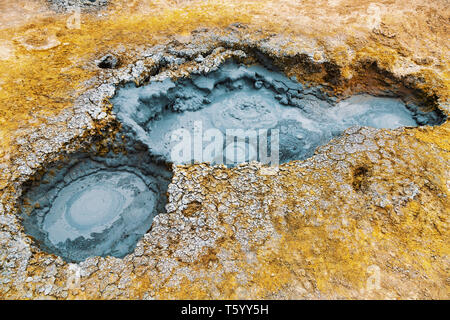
column 365, row 217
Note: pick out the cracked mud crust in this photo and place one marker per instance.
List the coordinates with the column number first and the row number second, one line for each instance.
column 370, row 201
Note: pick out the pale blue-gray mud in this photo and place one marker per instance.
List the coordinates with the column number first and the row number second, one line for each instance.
column 251, row 98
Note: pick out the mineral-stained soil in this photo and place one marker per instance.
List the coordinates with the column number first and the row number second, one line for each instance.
column 365, row 217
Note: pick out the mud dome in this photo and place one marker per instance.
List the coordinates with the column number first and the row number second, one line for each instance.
column 250, row 98
column 95, row 206
column 99, row 206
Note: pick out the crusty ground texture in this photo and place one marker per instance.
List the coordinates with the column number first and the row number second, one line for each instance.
column 366, row 217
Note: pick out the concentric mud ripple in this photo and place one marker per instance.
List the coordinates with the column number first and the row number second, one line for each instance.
column 95, row 206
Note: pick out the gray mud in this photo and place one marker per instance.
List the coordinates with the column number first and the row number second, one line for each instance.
column 250, row 98
column 96, row 206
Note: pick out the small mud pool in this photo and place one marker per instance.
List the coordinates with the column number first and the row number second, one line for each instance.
column 95, row 206
column 99, row 206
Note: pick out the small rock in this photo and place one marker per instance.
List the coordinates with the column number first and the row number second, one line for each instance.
column 108, row 62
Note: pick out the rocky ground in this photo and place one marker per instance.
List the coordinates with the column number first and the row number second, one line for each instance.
column 72, row 5
column 365, row 217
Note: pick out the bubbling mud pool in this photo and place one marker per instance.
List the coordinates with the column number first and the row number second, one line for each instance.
column 95, row 206
column 99, row 206
column 171, row 117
